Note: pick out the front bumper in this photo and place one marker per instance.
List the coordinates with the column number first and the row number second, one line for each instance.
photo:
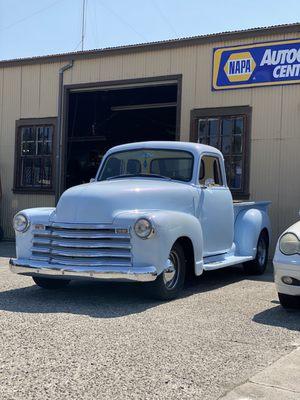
column 111, row 273
column 286, row 269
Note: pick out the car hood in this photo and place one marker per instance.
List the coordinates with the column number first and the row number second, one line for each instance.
column 294, row 229
column 100, row 202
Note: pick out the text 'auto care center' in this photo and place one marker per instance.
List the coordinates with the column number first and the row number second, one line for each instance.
column 257, row 65
column 238, row 91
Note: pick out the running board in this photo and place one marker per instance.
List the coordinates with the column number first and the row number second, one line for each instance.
column 226, row 262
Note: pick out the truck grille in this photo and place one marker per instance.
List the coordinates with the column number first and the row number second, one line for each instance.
column 82, row 245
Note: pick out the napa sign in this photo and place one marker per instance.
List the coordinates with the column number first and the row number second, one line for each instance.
column 260, row 64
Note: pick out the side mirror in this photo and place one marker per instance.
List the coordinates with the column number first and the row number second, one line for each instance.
column 92, row 180
column 209, row 182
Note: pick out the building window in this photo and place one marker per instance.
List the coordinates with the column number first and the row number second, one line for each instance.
column 228, row 130
column 34, row 155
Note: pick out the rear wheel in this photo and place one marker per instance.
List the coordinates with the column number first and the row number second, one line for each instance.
column 48, row 283
column 168, row 285
column 288, row 301
column 259, row 264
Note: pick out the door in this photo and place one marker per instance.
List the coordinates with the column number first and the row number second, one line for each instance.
column 215, row 207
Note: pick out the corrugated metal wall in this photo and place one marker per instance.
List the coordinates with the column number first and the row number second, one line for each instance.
column 31, row 91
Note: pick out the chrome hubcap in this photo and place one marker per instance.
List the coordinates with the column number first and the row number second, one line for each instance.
column 261, row 252
column 171, row 274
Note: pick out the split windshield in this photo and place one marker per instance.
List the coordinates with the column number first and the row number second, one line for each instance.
column 151, row 163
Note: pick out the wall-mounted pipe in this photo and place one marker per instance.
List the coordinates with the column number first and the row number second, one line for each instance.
column 59, row 133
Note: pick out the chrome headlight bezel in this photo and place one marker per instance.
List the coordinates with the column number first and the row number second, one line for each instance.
column 18, row 225
column 289, row 244
column 143, row 228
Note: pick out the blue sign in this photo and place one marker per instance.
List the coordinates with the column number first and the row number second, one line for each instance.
column 260, row 64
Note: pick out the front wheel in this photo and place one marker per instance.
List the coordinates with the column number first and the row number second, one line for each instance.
column 259, row 264
column 288, row 301
column 168, row 284
column 48, row 283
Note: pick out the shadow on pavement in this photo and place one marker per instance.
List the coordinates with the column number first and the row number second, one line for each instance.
column 278, row 316
column 106, row 299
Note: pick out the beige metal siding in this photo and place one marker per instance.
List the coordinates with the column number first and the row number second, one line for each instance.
column 32, row 91
column 20, row 93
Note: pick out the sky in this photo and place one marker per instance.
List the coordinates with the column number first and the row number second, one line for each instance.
column 38, row 27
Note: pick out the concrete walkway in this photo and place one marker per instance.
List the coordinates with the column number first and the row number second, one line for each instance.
column 279, row 381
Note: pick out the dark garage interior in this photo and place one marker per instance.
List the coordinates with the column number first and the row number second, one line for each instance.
column 101, row 119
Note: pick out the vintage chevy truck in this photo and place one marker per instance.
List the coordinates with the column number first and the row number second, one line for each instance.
column 154, row 211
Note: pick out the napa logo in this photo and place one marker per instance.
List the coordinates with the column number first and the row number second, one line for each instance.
column 239, row 67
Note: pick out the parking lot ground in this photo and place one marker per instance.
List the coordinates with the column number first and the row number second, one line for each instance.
column 107, row 341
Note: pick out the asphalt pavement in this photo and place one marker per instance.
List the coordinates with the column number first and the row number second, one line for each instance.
column 108, row 341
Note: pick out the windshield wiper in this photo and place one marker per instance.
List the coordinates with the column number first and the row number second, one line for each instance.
column 137, row 175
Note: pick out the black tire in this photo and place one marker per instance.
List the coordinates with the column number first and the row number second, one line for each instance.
column 1, row 234
column 169, row 284
column 288, row 301
column 259, row 264
column 48, row 283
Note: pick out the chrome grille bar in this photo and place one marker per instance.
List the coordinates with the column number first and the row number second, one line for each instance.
column 82, row 245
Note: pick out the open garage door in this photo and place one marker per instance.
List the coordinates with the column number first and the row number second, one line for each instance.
column 99, row 119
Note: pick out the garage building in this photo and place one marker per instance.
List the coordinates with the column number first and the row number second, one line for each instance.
column 60, row 113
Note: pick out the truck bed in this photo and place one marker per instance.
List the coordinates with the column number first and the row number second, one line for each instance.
column 239, row 205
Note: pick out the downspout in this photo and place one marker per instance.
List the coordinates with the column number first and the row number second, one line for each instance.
column 59, row 135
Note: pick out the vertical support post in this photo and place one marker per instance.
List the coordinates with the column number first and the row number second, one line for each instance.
column 59, row 133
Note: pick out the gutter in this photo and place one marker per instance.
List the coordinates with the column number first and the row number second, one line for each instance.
column 59, row 134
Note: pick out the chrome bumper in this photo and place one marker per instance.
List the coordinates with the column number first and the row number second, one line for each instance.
column 42, row 268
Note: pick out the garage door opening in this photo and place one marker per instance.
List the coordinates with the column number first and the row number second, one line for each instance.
column 101, row 119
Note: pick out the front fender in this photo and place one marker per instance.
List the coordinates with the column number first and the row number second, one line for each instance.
column 169, row 226
column 248, row 226
column 39, row 215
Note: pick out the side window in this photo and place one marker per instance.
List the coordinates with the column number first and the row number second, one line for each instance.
column 210, row 171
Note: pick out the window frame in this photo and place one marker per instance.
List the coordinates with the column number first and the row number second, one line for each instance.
column 33, row 122
column 221, row 171
column 219, row 112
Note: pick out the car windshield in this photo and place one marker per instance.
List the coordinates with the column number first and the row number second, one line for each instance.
column 152, row 163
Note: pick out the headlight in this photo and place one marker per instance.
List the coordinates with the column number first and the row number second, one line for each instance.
column 143, row 228
column 21, row 223
column 289, row 244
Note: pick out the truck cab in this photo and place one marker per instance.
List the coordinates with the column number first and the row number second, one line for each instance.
column 153, row 211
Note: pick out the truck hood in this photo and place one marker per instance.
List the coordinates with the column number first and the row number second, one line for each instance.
column 100, row 202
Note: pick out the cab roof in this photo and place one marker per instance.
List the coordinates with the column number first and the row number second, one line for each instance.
column 195, row 148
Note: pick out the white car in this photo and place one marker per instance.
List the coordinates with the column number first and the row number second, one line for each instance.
column 287, row 267
column 154, row 210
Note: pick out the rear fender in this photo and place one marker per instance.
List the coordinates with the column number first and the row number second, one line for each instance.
column 248, row 226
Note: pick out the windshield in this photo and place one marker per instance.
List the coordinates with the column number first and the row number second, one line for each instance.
column 170, row 164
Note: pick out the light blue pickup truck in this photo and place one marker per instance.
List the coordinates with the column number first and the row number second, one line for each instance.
column 154, row 210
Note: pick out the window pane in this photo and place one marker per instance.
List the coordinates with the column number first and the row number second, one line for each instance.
column 28, row 148
column 236, row 173
column 27, row 172
column 239, row 126
column 227, row 126
column 213, row 132
column 237, row 144
column 210, row 173
column 44, row 133
column 27, row 133
column 44, row 148
column 226, row 144
column 202, row 130
column 45, row 172
column 227, row 168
